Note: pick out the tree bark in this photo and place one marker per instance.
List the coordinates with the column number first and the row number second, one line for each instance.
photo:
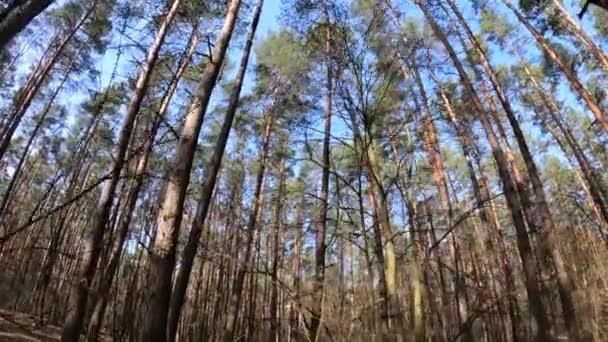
column 547, row 240
column 102, row 291
column 95, row 232
column 523, row 242
column 162, row 256
column 599, row 195
column 20, row 13
column 579, row 33
column 575, row 83
column 209, row 180
column 321, row 226
column 236, row 296
column 277, row 253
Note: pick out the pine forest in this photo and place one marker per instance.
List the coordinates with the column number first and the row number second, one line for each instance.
column 304, row 170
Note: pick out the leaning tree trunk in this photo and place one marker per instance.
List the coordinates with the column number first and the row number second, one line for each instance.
column 39, row 123
column 575, row 83
column 598, row 193
column 577, row 31
column 95, row 232
column 528, row 259
column 547, row 240
column 162, row 254
column 209, row 180
column 481, row 190
column 139, row 176
column 18, row 16
column 277, row 254
column 35, row 82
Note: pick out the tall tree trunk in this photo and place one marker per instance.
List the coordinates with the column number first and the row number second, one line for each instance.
column 35, row 82
column 383, row 234
column 417, row 323
column 39, row 123
column 381, row 259
column 296, row 266
column 209, row 180
column 575, row 83
column 481, row 190
column 433, row 150
column 547, row 232
column 577, row 31
column 236, row 296
column 598, row 192
column 94, row 240
column 139, row 176
column 431, row 145
column 523, row 241
column 321, row 226
column 277, row 253
column 162, row 256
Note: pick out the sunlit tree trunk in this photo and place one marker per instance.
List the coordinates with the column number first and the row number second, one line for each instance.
column 547, row 232
column 598, row 192
column 575, row 83
column 33, row 135
column 321, row 226
column 209, row 180
column 94, row 240
column 481, row 191
column 35, row 82
column 528, row 259
column 122, row 229
column 162, row 256
column 296, row 269
column 277, row 248
column 252, row 233
column 579, row 33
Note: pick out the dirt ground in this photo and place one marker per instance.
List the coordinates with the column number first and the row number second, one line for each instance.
column 17, row 327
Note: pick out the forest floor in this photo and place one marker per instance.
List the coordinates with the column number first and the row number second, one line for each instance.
column 18, row 327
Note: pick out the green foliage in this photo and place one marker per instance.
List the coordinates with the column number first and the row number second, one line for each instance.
column 280, row 57
column 496, row 26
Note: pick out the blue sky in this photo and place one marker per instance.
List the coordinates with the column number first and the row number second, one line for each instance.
column 268, row 20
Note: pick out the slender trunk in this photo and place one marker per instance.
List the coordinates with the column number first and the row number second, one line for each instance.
column 575, row 83
column 22, row 94
column 547, row 232
column 382, row 272
column 277, row 250
column 94, row 240
column 481, row 190
column 431, row 145
column 525, row 249
column 252, row 232
column 598, row 192
column 577, row 31
column 39, row 123
column 417, row 323
column 35, row 82
column 162, row 256
column 297, row 273
column 133, row 194
column 209, row 180
column 433, row 150
column 321, row 226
